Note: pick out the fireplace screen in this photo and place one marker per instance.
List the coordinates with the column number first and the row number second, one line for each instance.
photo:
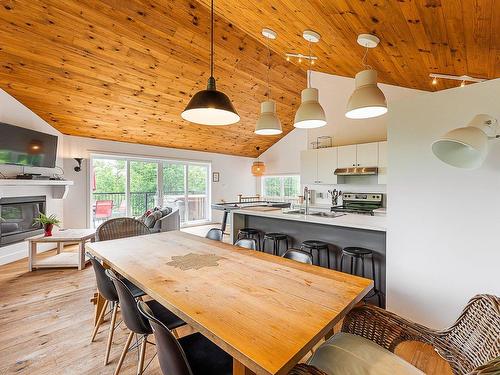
column 17, row 216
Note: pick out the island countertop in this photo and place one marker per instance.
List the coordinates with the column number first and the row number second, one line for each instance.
column 359, row 221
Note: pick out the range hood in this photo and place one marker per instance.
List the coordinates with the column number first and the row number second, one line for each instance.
column 356, row 171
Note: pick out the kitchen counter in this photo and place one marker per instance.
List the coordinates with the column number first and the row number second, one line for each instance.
column 338, row 232
column 358, row 221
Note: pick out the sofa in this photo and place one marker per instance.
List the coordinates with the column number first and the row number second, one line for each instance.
column 161, row 219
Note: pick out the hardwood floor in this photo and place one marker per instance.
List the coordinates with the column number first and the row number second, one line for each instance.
column 46, row 321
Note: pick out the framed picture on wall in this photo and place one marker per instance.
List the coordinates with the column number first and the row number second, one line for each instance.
column 215, row 177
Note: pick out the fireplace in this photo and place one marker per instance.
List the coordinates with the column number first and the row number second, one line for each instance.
column 16, row 218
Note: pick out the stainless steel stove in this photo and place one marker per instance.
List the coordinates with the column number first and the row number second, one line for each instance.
column 359, row 203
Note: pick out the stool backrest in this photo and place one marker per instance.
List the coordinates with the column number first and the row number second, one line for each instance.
column 299, row 256
column 171, row 356
column 105, row 286
column 247, row 243
column 131, row 316
column 215, row 234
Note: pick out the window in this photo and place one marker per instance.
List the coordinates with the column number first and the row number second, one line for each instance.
column 129, row 186
column 282, row 188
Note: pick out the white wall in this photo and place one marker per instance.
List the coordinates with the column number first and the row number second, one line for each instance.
column 235, row 172
column 444, row 222
column 14, row 113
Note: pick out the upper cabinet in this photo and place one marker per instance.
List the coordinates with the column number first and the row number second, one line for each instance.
column 367, row 154
column 318, row 166
column 347, row 156
column 327, row 163
column 362, row 155
column 308, row 167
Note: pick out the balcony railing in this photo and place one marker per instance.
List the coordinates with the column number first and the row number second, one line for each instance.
column 142, row 201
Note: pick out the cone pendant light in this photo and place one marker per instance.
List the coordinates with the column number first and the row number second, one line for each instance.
column 310, row 113
column 268, row 122
column 367, row 100
column 211, row 107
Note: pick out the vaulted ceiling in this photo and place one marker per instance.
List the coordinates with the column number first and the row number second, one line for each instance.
column 124, row 70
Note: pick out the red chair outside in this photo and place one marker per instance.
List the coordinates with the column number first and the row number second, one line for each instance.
column 103, row 210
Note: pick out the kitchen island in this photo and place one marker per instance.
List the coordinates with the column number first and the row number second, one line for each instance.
column 339, row 232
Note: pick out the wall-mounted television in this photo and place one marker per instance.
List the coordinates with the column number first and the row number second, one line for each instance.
column 20, row 146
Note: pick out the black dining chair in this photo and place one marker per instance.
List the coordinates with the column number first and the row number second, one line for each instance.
column 298, row 255
column 189, row 355
column 137, row 323
column 215, row 234
column 247, row 243
column 107, row 290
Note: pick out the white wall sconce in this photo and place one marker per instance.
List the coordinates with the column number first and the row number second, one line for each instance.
column 467, row 147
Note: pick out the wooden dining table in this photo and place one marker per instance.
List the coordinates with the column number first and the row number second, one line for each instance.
column 267, row 312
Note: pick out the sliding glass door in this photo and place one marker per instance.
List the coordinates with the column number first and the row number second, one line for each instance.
column 129, row 187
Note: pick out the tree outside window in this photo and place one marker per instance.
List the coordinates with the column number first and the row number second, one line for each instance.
column 282, row 188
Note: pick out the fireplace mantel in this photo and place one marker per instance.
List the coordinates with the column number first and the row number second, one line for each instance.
column 59, row 187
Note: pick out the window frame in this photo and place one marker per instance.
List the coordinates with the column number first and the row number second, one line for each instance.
column 161, row 162
column 282, row 178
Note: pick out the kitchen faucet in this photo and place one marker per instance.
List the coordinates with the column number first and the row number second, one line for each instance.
column 306, row 199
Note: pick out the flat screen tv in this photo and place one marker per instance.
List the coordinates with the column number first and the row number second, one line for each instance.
column 20, row 146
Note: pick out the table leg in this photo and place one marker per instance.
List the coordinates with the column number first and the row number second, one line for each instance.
column 60, row 247
column 240, row 369
column 81, row 255
column 32, row 255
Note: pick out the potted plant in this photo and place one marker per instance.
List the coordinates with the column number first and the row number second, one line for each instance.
column 47, row 222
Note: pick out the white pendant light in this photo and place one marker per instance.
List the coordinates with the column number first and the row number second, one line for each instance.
column 467, row 147
column 268, row 122
column 367, row 100
column 310, row 113
column 210, row 106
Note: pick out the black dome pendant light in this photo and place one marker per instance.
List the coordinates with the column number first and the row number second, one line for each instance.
column 211, row 107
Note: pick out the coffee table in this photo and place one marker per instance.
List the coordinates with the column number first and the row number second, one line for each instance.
column 61, row 259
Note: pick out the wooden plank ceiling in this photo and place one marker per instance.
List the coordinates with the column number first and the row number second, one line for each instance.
column 124, row 70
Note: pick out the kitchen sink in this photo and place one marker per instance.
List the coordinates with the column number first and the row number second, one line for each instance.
column 326, row 214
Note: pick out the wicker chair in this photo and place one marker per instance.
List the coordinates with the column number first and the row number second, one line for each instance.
column 471, row 345
column 120, row 228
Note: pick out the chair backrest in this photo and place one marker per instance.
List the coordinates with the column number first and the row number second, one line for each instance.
column 120, row 227
column 475, row 336
column 131, row 316
column 104, row 284
column 171, row 356
column 298, row 255
column 103, row 208
column 247, row 243
column 215, row 234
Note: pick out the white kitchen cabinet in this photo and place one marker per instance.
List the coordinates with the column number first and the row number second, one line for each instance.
column 308, row 167
column 367, row 154
column 362, row 155
column 327, row 163
column 382, row 163
column 318, row 166
column 346, row 156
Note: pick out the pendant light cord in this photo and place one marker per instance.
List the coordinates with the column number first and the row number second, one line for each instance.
column 268, row 69
column 309, row 70
column 212, row 38
column 365, row 58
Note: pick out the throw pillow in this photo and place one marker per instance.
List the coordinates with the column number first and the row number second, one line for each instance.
column 151, row 219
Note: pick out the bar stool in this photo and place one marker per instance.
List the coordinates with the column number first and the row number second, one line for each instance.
column 250, row 233
column 356, row 254
column 311, row 245
column 277, row 239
